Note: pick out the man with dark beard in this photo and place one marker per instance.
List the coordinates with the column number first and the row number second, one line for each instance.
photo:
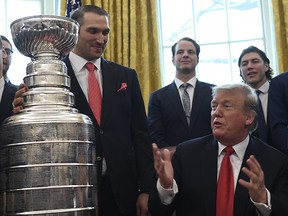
column 180, row 110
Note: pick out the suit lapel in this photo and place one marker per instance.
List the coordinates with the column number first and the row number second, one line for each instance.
column 109, row 88
column 6, row 101
column 209, row 176
column 196, row 104
column 241, row 198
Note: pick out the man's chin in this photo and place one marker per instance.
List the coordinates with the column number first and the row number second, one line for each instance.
column 97, row 55
column 217, row 133
column 187, row 70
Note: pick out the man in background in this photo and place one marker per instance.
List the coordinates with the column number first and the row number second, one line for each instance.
column 7, row 91
column 278, row 111
column 7, row 59
column 181, row 110
column 255, row 71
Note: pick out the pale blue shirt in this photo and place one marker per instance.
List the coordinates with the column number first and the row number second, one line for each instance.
column 167, row 195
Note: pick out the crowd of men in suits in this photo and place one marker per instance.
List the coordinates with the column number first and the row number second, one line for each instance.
column 178, row 115
column 238, row 116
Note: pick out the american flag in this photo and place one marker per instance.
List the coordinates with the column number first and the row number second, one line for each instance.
column 71, row 6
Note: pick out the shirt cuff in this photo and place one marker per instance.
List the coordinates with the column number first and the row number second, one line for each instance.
column 167, row 195
column 264, row 210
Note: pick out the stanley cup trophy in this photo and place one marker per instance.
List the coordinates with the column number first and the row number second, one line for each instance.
column 47, row 151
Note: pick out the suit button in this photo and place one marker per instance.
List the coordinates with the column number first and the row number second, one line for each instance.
column 98, row 158
column 101, row 132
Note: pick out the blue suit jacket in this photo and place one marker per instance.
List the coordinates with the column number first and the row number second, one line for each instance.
column 166, row 118
column 278, row 112
column 122, row 136
column 195, row 171
column 6, row 108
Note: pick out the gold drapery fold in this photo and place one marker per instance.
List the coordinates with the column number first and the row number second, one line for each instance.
column 280, row 11
column 133, row 38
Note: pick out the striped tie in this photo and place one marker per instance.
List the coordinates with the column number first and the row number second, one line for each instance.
column 186, row 101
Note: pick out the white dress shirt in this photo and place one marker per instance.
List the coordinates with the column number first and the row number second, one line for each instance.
column 264, row 98
column 190, row 89
column 81, row 73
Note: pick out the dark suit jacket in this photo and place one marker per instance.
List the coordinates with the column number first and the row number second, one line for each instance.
column 122, row 136
column 278, row 112
column 195, row 171
column 166, row 118
column 6, row 108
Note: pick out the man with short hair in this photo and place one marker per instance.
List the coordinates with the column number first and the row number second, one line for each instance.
column 7, row 91
column 255, row 71
column 181, row 110
column 257, row 183
column 7, row 59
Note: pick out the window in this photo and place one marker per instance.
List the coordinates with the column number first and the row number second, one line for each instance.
column 11, row 10
column 222, row 29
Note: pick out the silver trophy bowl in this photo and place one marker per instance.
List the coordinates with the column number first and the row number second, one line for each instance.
column 47, row 151
column 43, row 34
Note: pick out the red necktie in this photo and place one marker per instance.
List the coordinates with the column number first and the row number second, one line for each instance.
column 94, row 92
column 225, row 187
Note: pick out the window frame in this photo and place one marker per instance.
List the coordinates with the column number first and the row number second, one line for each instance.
column 268, row 39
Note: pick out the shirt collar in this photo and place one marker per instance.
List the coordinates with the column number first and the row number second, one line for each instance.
column 78, row 62
column 239, row 148
column 192, row 82
column 265, row 87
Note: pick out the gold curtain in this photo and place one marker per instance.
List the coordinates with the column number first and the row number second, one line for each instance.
column 133, row 39
column 280, row 10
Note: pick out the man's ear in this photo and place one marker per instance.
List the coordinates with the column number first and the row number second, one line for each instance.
column 173, row 60
column 250, row 118
column 267, row 66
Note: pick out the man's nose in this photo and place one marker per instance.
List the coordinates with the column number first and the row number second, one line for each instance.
column 216, row 111
column 185, row 54
column 249, row 65
column 100, row 38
